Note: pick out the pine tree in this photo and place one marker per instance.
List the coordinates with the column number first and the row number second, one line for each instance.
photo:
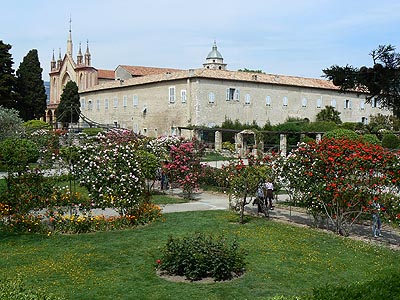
column 31, row 94
column 380, row 82
column 69, row 108
column 7, row 79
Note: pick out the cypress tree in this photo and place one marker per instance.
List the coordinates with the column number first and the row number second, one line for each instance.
column 69, row 108
column 7, row 79
column 31, row 93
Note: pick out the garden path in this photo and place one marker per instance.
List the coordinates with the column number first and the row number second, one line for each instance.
column 205, row 200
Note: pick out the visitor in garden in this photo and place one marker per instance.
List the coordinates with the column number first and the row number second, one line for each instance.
column 164, row 178
column 269, row 187
column 260, row 197
column 376, row 220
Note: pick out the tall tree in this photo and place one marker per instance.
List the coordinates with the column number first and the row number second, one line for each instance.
column 7, row 79
column 381, row 81
column 69, row 108
column 31, row 94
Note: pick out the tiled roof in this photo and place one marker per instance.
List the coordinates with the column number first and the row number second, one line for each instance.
column 109, row 74
column 144, row 71
column 222, row 75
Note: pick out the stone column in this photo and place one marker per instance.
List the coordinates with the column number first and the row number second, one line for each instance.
column 218, row 141
column 318, row 137
column 239, row 144
column 283, row 144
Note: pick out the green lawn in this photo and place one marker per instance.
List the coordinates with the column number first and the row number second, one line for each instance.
column 282, row 260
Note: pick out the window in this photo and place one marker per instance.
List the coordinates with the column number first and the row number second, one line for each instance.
column 237, row 95
column 347, row 104
column 232, row 94
column 135, row 100
column 319, row 103
column 211, row 97
column 171, row 92
column 268, row 101
column 285, row 101
column 304, row 102
column 115, row 102
column 362, row 104
column 364, row 120
column 135, row 128
column 374, row 102
column 83, row 103
column 98, row 104
column 124, row 101
column 247, row 99
column 90, row 106
column 183, row 96
column 106, row 103
column 333, row 102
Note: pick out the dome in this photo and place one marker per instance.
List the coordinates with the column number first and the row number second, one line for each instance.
column 214, row 53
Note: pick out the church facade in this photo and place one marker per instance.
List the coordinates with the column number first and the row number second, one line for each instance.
column 158, row 101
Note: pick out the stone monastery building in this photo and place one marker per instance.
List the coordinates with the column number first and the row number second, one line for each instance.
column 157, row 101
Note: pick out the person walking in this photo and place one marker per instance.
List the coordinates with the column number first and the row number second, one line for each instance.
column 260, row 197
column 269, row 187
column 376, row 220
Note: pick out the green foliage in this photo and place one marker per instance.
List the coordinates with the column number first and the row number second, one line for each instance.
column 69, row 107
column 18, row 153
column 371, row 139
column 7, row 79
column 381, row 81
column 390, row 141
column 200, row 256
column 31, row 94
column 320, row 126
column 92, row 131
column 251, row 71
column 354, row 126
column 14, row 289
column 329, row 114
column 341, row 133
column 382, row 287
column 11, row 125
column 228, row 146
column 381, row 122
column 33, row 125
column 26, row 192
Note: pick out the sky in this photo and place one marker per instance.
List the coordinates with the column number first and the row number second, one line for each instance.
column 285, row 37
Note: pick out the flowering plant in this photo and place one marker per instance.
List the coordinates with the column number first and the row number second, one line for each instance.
column 340, row 178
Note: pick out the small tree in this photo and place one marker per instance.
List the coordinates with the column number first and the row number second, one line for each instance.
column 31, row 99
column 329, row 114
column 184, row 166
column 68, row 109
column 243, row 183
column 11, row 125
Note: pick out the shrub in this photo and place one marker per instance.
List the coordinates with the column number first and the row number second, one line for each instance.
column 341, row 134
column 371, row 139
column 390, row 141
column 92, row 131
column 200, row 256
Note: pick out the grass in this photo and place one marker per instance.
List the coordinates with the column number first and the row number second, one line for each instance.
column 215, row 156
column 161, row 199
column 282, row 260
